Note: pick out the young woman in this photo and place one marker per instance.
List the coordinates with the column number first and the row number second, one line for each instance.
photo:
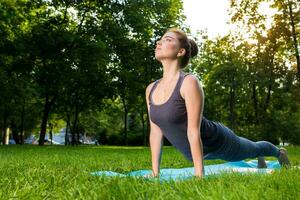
column 175, row 105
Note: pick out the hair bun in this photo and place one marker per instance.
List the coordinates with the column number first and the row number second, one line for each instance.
column 194, row 47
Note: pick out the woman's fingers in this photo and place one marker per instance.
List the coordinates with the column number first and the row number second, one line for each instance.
column 151, row 175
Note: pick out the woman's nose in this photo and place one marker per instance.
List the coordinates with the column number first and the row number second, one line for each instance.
column 158, row 42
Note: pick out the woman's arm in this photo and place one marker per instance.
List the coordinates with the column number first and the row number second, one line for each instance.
column 156, row 139
column 194, row 99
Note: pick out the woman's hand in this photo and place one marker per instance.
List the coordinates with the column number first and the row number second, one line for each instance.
column 199, row 172
column 151, row 175
column 199, row 175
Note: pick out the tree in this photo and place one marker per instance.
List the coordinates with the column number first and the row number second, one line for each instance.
column 246, row 79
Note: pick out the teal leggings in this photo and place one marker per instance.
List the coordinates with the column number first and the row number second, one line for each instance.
column 237, row 148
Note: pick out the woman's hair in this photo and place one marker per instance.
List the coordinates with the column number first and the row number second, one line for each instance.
column 190, row 46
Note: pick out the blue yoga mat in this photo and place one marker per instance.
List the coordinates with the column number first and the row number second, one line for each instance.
column 186, row 173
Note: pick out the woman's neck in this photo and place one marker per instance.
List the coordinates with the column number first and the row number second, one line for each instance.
column 170, row 70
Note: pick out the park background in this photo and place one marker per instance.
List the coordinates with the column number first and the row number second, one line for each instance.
column 84, row 66
column 81, row 67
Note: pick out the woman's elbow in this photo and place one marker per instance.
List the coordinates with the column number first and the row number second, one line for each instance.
column 194, row 135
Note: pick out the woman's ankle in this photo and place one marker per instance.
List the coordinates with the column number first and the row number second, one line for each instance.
column 261, row 162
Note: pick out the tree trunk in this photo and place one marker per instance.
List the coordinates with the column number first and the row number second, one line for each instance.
column 6, row 137
column 125, row 126
column 232, row 105
column 294, row 35
column 67, row 142
column 268, row 98
column 76, row 125
column 22, row 123
column 4, row 126
column 50, row 133
column 46, row 112
column 14, row 131
column 254, row 98
column 73, row 142
column 125, row 120
column 75, row 134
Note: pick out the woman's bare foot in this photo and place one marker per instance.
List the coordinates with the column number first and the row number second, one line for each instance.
column 261, row 163
column 283, row 158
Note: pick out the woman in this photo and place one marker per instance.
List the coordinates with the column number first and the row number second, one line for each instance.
column 175, row 105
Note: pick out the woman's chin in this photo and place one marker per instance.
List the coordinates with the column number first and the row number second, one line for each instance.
column 158, row 57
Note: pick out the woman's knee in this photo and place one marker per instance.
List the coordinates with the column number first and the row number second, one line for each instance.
column 267, row 148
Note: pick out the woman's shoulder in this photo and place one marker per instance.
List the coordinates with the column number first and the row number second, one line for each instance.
column 149, row 87
column 190, row 79
column 190, row 84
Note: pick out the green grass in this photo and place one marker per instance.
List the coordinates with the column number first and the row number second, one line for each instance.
column 58, row 172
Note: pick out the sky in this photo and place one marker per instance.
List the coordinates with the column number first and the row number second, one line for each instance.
column 213, row 15
column 207, row 14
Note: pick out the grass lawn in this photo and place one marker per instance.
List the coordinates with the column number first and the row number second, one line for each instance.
column 59, row 172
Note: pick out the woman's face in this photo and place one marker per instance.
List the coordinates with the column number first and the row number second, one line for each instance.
column 167, row 47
